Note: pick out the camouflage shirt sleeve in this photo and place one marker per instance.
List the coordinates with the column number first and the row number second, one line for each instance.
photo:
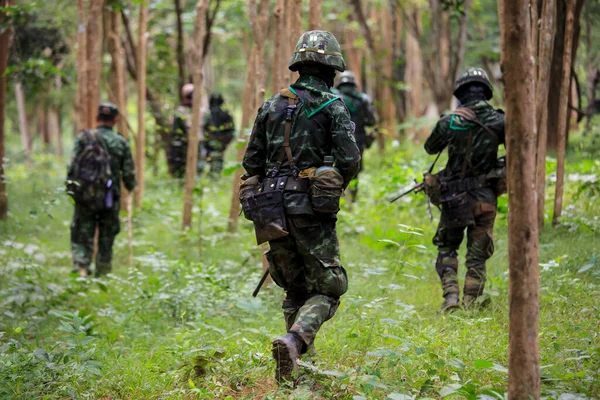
column 255, row 159
column 439, row 138
column 498, row 126
column 128, row 167
column 345, row 150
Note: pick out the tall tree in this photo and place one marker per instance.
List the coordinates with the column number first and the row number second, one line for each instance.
column 4, row 48
column 564, row 110
column 94, row 59
column 252, row 90
column 140, row 145
column 519, row 76
column 545, row 48
column 277, row 72
column 181, row 79
column 82, row 70
column 23, row 122
column 194, row 134
column 315, row 15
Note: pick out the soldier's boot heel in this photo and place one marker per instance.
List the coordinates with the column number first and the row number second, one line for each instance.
column 451, row 303
column 285, row 353
column 473, row 296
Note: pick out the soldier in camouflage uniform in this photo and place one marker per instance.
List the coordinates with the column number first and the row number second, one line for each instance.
column 363, row 115
column 219, row 130
column 86, row 221
column 179, row 131
column 306, row 264
column 468, row 164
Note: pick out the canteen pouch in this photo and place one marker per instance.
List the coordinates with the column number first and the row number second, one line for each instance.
column 457, row 210
column 432, row 185
column 326, row 189
column 268, row 216
column 248, row 188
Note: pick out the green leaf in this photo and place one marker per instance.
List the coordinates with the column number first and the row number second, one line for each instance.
column 585, row 268
column 483, row 364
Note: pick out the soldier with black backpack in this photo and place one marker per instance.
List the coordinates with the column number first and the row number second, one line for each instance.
column 101, row 158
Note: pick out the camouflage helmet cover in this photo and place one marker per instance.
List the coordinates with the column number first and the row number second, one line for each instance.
column 347, row 78
column 187, row 90
column 107, row 109
column 317, row 47
column 475, row 75
column 216, row 98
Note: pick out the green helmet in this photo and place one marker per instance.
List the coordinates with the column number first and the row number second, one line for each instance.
column 347, row 78
column 317, row 47
column 475, row 75
column 107, row 109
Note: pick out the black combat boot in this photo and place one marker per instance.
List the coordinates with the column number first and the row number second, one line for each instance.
column 286, row 350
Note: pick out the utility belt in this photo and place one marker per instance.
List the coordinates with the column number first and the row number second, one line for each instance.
column 464, row 185
column 286, row 183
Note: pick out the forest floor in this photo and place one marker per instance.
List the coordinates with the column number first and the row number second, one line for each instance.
column 181, row 323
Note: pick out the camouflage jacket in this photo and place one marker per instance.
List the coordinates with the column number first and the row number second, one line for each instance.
column 321, row 126
column 361, row 110
column 452, row 131
column 218, row 127
column 121, row 161
column 181, row 122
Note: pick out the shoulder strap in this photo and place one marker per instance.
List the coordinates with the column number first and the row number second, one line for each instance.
column 286, row 150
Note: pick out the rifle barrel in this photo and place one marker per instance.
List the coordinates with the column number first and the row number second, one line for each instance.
column 262, row 281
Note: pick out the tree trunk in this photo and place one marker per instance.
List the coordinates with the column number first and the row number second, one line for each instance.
column 4, row 48
column 54, row 130
column 82, row 74
column 277, row 72
column 23, row 122
column 352, row 54
column 181, row 80
column 43, row 126
column 519, row 75
column 315, row 15
column 388, row 106
column 94, row 60
column 563, row 110
column 293, row 10
column 194, row 134
column 545, row 48
column 140, row 145
column 413, row 73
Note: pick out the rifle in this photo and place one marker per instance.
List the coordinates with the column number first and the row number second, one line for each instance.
column 260, row 283
column 419, row 186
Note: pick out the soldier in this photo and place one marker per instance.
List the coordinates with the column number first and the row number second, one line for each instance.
column 219, row 128
column 363, row 115
column 114, row 150
column 293, row 133
column 179, row 131
column 472, row 134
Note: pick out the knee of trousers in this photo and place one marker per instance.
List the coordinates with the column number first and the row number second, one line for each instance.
column 294, row 299
column 332, row 284
column 446, row 260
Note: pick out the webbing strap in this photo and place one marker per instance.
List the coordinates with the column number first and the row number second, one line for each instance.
column 286, row 151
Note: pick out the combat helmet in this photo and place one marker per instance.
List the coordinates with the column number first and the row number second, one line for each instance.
column 187, row 90
column 347, row 78
column 317, row 47
column 107, row 110
column 475, row 75
column 216, row 99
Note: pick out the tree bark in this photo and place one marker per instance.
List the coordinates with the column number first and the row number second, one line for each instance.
column 140, row 146
column 82, row 73
column 353, row 55
column 413, row 73
column 519, row 95
column 23, row 122
column 293, row 10
column 277, row 72
column 563, row 112
column 194, row 134
column 315, row 15
column 180, row 46
column 94, row 60
column 545, row 49
column 4, row 48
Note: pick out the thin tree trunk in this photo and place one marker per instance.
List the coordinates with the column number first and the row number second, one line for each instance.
column 23, row 122
column 293, row 11
column 545, row 49
column 82, row 73
column 315, row 15
column 54, row 130
column 389, row 112
column 4, row 48
column 94, row 60
column 353, row 56
column 194, row 134
column 277, row 72
column 563, row 112
column 180, row 46
column 43, row 125
column 57, row 111
column 519, row 95
column 140, row 146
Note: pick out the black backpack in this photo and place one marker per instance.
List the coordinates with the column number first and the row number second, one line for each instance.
column 89, row 181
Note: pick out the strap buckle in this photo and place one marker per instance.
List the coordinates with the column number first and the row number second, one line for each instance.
column 289, row 111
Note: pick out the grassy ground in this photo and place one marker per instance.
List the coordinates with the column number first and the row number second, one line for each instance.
column 182, row 323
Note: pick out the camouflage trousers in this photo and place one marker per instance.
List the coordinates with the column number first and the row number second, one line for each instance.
column 480, row 247
column 83, row 230
column 306, row 264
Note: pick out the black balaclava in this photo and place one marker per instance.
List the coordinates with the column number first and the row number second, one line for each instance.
column 327, row 74
column 470, row 93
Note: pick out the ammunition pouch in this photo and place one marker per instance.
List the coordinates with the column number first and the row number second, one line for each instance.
column 326, row 190
column 457, row 210
column 497, row 178
column 432, row 186
column 264, row 207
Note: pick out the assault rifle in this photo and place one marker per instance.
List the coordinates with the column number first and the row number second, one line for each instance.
column 419, row 186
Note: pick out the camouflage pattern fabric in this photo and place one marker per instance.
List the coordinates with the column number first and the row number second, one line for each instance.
column 480, row 247
column 317, row 47
column 85, row 221
column 452, row 131
column 179, row 140
column 306, row 264
column 219, row 130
